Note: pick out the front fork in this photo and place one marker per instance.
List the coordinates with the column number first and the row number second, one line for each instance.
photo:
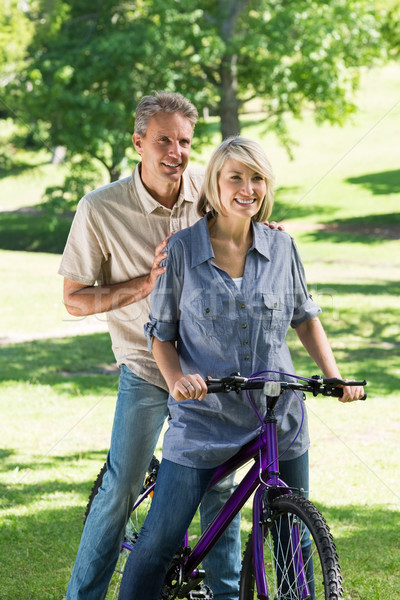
column 270, row 470
column 258, row 546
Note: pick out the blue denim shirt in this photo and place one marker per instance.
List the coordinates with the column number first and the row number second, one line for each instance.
column 220, row 329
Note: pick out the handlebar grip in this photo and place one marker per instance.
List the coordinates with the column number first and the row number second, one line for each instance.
column 213, row 388
column 338, row 393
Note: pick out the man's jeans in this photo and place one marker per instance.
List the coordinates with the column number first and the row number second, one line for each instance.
column 139, row 416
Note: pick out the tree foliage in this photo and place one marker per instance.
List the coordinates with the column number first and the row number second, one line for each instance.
column 15, row 35
column 288, row 54
column 90, row 63
column 389, row 13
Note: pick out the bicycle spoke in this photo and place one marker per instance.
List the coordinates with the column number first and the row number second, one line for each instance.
column 299, row 555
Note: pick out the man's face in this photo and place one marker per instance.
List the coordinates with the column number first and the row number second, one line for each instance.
column 165, row 148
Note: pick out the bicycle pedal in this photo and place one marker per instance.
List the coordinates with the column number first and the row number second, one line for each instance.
column 201, row 592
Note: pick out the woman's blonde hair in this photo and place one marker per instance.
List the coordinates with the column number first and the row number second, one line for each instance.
column 251, row 155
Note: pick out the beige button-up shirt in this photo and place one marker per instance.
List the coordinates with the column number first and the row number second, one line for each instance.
column 112, row 239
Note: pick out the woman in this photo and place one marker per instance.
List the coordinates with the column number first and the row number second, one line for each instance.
column 230, row 291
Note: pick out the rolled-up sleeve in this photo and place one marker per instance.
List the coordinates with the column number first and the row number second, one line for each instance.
column 164, row 300
column 161, row 330
column 304, row 306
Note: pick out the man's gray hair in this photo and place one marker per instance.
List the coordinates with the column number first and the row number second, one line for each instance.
column 169, row 102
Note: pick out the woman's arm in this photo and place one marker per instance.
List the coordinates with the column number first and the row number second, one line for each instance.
column 313, row 337
column 180, row 387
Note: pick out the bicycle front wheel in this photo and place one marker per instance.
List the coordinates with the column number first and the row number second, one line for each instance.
column 293, row 525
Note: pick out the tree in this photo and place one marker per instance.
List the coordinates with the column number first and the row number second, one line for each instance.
column 288, row 54
column 80, row 79
column 91, row 63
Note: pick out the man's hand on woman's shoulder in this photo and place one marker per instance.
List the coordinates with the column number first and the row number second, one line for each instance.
column 274, row 225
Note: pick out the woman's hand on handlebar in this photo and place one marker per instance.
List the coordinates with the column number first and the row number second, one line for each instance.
column 351, row 393
column 189, row 387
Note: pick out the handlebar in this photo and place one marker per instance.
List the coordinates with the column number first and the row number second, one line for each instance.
column 316, row 385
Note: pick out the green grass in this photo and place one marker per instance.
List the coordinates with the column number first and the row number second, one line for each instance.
column 339, row 199
column 31, row 298
column 23, row 184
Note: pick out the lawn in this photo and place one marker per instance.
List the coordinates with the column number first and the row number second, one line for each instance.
column 339, row 198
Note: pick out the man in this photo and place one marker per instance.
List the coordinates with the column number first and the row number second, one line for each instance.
column 110, row 264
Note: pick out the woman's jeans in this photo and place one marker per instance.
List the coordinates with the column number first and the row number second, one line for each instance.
column 177, row 495
column 139, row 416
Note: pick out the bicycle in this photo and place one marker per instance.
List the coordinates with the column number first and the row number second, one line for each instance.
column 290, row 553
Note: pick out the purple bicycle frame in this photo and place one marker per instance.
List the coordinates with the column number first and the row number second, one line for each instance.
column 265, row 447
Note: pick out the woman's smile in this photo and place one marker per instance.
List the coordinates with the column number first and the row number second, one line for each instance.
column 245, row 202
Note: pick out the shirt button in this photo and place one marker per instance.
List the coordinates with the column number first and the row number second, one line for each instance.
column 242, row 306
column 207, row 310
column 247, row 357
column 244, row 326
column 245, row 342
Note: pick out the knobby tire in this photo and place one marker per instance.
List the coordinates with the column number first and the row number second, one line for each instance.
column 284, row 510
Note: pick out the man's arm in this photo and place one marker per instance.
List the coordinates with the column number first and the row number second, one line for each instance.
column 313, row 337
column 82, row 300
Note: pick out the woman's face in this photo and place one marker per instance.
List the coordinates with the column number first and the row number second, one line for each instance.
column 241, row 189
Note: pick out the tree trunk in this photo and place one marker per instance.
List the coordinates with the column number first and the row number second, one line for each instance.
column 229, row 105
column 115, row 172
column 228, row 14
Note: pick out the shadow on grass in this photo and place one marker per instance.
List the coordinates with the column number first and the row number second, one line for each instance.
column 23, row 493
column 7, row 462
column 62, row 362
column 371, row 229
column 288, row 206
column 384, row 182
column 379, row 288
column 33, row 231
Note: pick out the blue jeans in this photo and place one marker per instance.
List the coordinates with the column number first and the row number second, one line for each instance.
column 177, row 495
column 139, row 416
column 295, row 473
